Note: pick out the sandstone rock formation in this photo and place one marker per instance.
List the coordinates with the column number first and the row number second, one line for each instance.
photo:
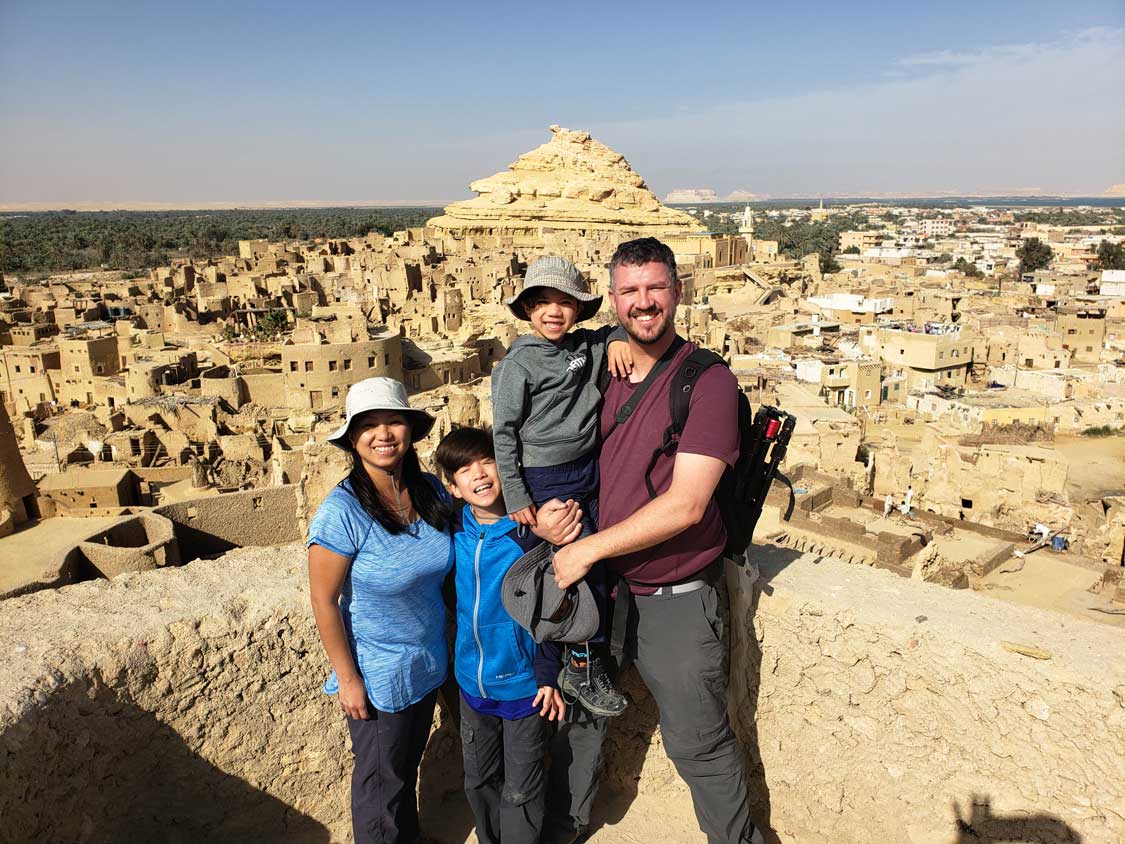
column 185, row 705
column 572, row 182
column 686, row 196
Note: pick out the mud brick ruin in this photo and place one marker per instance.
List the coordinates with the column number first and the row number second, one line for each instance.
column 893, row 672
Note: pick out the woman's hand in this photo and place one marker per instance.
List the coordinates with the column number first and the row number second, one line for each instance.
column 619, row 359
column 553, row 705
column 558, row 523
column 353, row 697
column 524, row 516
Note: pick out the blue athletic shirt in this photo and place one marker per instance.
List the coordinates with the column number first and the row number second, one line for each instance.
column 391, row 600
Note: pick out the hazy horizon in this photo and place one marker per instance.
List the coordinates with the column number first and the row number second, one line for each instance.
column 212, row 105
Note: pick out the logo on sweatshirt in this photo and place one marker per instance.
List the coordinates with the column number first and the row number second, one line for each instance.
column 576, row 363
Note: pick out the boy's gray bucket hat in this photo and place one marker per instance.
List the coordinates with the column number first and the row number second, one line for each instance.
column 548, row 613
column 380, row 394
column 560, row 274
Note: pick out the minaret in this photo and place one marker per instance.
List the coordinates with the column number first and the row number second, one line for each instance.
column 746, row 229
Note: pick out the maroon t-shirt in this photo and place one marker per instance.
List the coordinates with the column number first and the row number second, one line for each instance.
column 711, row 430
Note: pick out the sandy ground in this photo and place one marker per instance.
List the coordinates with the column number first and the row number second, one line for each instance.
column 644, row 819
column 1048, row 581
column 963, row 546
column 1097, row 465
column 26, row 553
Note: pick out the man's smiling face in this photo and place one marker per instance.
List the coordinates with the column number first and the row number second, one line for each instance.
column 645, row 298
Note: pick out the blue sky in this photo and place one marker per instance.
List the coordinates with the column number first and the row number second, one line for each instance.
column 282, row 101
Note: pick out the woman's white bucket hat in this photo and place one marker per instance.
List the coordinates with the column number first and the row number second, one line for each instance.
column 380, row 394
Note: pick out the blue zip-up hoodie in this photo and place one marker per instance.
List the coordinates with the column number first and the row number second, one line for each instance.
column 494, row 657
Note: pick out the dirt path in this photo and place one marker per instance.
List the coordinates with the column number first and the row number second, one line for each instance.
column 25, row 554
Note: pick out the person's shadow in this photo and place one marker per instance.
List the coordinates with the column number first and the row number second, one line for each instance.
column 91, row 765
column 982, row 826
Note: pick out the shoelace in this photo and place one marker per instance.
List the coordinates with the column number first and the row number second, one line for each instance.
column 599, row 680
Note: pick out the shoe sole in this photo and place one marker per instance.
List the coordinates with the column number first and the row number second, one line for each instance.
column 568, row 688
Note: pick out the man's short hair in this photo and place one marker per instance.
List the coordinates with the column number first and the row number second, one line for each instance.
column 643, row 250
column 461, row 447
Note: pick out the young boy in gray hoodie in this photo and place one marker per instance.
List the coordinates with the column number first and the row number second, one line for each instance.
column 545, row 406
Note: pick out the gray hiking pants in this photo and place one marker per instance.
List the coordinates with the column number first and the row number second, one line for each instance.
column 504, row 779
column 677, row 643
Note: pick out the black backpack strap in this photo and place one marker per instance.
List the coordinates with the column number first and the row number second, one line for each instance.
column 679, row 403
column 679, row 399
column 626, row 410
column 604, row 378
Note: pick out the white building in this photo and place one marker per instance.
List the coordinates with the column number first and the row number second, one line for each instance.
column 1112, row 283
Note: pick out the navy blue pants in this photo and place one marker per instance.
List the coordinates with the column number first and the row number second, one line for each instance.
column 388, row 749
column 577, row 481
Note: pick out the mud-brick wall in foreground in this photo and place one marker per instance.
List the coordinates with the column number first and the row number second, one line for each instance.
column 184, row 705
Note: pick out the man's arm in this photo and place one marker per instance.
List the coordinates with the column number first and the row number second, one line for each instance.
column 694, row 479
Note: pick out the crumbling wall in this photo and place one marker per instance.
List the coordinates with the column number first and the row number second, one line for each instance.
column 184, row 705
column 881, row 709
column 145, row 541
column 215, row 524
column 179, row 705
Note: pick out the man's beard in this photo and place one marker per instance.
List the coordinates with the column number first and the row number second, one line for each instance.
column 662, row 322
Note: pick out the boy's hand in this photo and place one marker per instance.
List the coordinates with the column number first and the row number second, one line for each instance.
column 553, row 705
column 619, row 359
column 524, row 516
column 558, row 523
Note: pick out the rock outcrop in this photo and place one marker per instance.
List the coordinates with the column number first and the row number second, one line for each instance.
column 571, row 183
column 184, row 705
column 687, row 196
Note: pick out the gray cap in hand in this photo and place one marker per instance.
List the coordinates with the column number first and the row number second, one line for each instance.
column 531, row 596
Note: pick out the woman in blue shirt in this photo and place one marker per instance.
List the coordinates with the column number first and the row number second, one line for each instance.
column 378, row 554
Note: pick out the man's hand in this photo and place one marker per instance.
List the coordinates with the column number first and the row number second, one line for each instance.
column 553, row 705
column 558, row 523
column 524, row 516
column 619, row 359
column 572, row 563
column 353, row 697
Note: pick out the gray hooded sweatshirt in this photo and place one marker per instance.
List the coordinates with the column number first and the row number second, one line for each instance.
column 545, row 404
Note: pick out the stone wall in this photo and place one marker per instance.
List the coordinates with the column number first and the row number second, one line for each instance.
column 215, row 524
column 887, row 708
column 180, row 705
column 188, row 700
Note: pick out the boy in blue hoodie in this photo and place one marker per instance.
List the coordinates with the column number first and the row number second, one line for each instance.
column 508, row 683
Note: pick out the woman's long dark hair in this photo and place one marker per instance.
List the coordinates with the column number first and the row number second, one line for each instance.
column 423, row 495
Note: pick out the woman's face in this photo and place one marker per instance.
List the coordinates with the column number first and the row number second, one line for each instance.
column 381, row 438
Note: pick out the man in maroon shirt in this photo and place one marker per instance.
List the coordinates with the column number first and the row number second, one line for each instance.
column 668, row 549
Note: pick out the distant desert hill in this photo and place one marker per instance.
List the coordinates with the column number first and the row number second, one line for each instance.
column 688, row 195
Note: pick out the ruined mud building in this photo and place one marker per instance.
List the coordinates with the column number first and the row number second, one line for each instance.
column 224, row 369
